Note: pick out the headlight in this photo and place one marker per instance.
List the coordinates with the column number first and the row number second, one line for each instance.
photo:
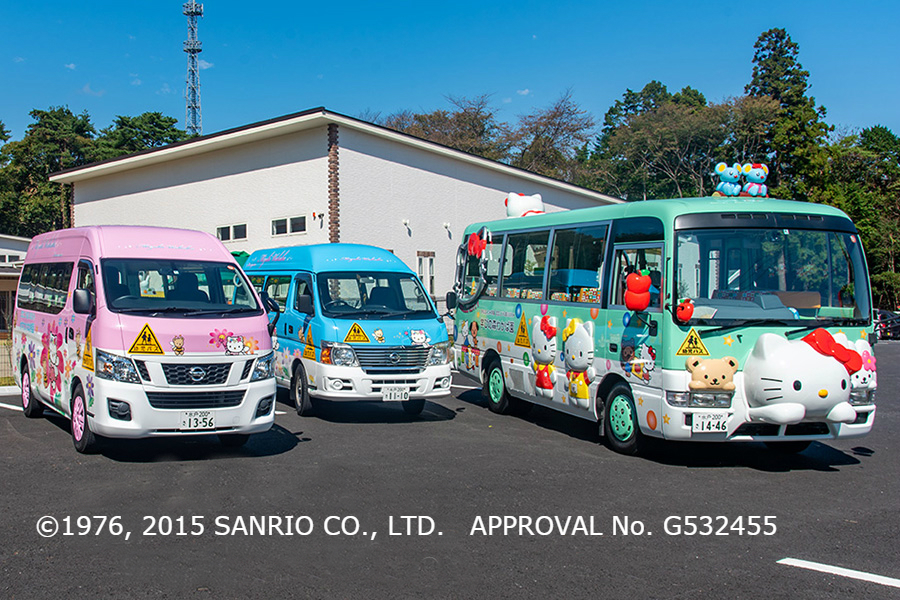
column 335, row 353
column 263, row 368
column 705, row 399
column 439, row 354
column 115, row 368
column 862, row 396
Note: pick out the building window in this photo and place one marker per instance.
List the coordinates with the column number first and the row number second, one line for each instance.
column 232, row 232
column 289, row 225
column 425, row 262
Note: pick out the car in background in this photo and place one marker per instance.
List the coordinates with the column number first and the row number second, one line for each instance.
column 887, row 324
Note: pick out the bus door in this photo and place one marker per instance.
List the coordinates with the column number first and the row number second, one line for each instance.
column 635, row 313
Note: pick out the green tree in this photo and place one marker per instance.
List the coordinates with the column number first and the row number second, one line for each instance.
column 795, row 143
column 128, row 135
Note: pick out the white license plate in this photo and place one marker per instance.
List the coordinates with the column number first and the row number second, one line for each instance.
column 709, row 422
column 192, row 420
column 394, row 393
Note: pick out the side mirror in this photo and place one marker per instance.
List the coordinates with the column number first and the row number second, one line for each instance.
column 451, row 300
column 83, row 302
column 271, row 307
column 304, row 304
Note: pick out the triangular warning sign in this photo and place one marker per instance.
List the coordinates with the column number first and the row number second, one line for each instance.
column 356, row 335
column 692, row 345
column 146, row 342
column 522, row 338
column 87, row 355
column 309, row 351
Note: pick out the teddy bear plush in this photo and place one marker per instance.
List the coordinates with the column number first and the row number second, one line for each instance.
column 755, row 174
column 712, row 373
column 729, row 179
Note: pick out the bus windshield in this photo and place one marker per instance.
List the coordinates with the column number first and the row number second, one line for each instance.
column 178, row 288
column 792, row 276
column 373, row 295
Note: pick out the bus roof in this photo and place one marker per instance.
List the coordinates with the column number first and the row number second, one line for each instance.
column 666, row 210
column 326, row 257
column 128, row 241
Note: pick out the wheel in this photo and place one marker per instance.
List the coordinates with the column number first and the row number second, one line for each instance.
column 622, row 430
column 788, row 447
column 31, row 406
column 84, row 439
column 495, row 389
column 300, row 391
column 233, row 440
column 414, row 407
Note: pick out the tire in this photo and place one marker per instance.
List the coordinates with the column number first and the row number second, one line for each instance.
column 623, row 434
column 300, row 391
column 788, row 447
column 413, row 407
column 31, row 406
column 84, row 439
column 233, row 440
column 494, row 389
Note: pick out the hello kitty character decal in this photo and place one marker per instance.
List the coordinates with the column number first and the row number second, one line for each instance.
column 578, row 353
column 787, row 381
column 543, row 350
column 234, row 345
column 419, row 337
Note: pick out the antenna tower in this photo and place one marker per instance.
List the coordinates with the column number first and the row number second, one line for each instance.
column 193, row 47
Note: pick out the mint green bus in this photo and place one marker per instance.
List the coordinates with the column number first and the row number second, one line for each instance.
column 704, row 319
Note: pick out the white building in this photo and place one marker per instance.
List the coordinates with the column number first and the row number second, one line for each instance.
column 12, row 253
column 315, row 177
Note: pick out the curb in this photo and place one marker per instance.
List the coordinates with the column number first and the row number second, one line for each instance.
column 6, row 390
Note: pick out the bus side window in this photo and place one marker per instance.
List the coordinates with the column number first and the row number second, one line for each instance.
column 632, row 260
column 576, row 264
column 524, row 259
column 277, row 287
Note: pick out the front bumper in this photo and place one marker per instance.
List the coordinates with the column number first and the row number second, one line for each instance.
column 331, row 382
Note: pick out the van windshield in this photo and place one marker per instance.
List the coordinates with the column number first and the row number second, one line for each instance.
column 373, row 295
column 177, row 288
column 763, row 276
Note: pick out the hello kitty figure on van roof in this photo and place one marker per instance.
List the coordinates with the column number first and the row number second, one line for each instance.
column 520, row 205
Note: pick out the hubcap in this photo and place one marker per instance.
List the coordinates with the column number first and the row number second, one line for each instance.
column 78, row 418
column 621, row 418
column 495, row 386
column 26, row 390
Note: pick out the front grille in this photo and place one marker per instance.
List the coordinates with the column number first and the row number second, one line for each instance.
column 246, row 370
column 391, row 357
column 757, row 429
column 180, row 374
column 186, row 400
column 807, row 429
column 142, row 369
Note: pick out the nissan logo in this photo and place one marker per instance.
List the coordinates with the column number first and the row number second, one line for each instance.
column 197, row 373
column 394, row 357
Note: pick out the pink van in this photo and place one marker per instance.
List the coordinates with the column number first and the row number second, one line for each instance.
column 136, row 332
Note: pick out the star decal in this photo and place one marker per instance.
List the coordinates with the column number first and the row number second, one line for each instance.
column 640, row 401
column 609, row 324
column 666, row 419
column 728, row 340
column 862, row 335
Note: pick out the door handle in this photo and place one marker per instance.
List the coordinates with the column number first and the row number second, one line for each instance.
column 70, row 334
column 613, row 347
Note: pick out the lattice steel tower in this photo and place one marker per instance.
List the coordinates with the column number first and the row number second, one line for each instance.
column 193, row 47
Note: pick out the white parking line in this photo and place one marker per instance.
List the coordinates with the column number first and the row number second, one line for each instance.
column 465, row 387
column 280, row 412
column 814, row 566
column 11, row 407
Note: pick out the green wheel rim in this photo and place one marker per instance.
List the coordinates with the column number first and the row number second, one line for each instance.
column 495, row 386
column 621, row 418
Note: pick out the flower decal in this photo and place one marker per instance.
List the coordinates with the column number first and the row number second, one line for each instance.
column 89, row 388
column 219, row 338
column 31, row 355
column 252, row 345
column 868, row 361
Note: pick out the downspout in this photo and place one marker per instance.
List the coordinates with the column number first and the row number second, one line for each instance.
column 334, row 197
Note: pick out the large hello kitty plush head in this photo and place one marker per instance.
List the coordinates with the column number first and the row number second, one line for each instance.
column 520, row 205
column 787, row 381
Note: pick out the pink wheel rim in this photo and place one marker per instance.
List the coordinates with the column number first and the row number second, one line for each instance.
column 26, row 390
column 78, row 418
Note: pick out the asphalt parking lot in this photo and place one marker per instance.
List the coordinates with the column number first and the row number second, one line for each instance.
column 366, row 502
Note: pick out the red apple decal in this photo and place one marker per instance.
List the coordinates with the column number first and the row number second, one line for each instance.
column 685, row 310
column 637, row 291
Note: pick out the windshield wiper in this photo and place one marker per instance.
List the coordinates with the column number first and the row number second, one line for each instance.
column 744, row 323
column 828, row 323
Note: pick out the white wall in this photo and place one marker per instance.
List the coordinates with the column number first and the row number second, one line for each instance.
column 253, row 184
column 383, row 182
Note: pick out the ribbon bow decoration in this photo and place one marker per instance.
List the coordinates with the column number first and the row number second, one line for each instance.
column 548, row 330
column 823, row 343
column 476, row 245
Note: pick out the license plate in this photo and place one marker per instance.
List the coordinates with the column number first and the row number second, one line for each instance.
column 192, row 420
column 709, row 422
column 393, row 393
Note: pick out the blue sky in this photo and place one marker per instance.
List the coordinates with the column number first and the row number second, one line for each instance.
column 267, row 59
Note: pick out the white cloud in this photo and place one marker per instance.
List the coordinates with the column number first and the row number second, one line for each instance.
column 70, row 66
column 204, row 64
column 507, row 100
column 524, row 92
column 87, row 90
column 136, row 81
column 165, row 89
column 18, row 59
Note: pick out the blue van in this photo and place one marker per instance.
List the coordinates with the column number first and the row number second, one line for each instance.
column 355, row 324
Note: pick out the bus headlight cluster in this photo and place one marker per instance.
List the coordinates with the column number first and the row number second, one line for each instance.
column 862, row 396
column 439, row 354
column 336, row 353
column 705, row 399
column 115, row 368
column 264, row 368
